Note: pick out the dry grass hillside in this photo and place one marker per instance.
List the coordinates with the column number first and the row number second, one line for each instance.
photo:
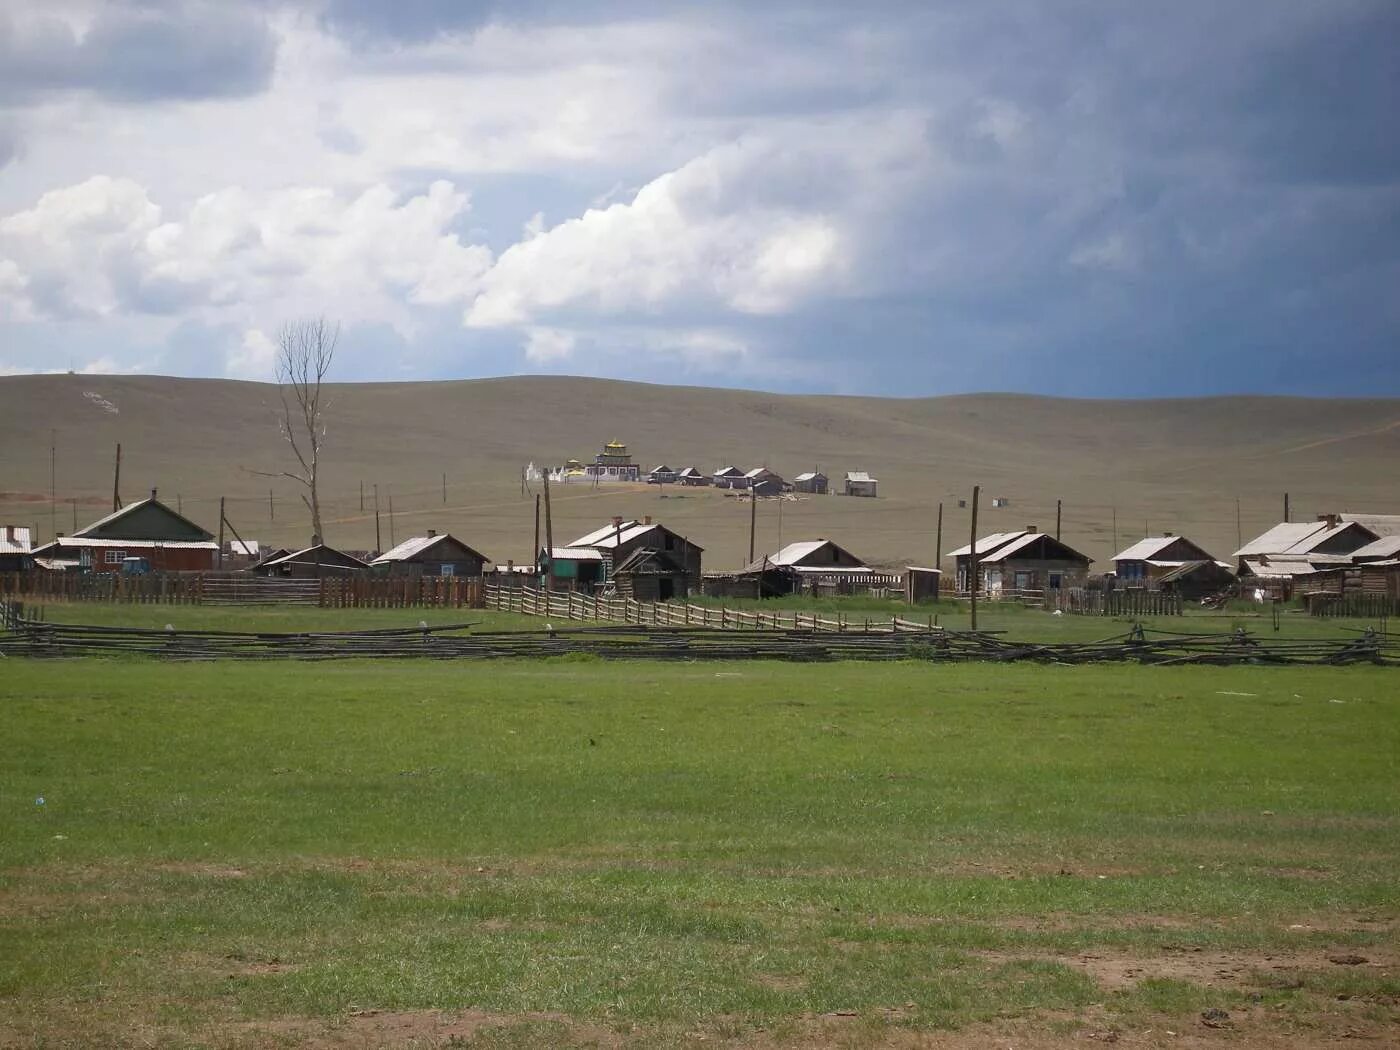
column 1176, row 465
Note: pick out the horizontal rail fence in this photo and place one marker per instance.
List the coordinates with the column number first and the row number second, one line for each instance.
column 621, row 642
column 238, row 588
column 1130, row 602
column 568, row 605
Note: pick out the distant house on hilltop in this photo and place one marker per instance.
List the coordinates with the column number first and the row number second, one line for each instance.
column 148, row 529
column 16, row 553
column 859, row 483
column 763, row 482
column 692, row 477
column 730, row 477
column 662, row 475
column 430, row 555
column 812, row 482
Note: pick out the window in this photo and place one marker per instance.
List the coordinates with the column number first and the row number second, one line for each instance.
column 114, row 557
column 446, row 569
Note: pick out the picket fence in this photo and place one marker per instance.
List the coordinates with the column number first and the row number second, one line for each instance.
column 236, row 588
column 568, row 605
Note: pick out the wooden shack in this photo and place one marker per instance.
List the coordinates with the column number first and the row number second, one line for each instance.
column 1171, row 563
column 312, row 563
column 650, row 576
column 921, row 584
column 811, row 482
column 763, row 482
column 615, row 541
column 431, row 555
column 860, row 483
column 691, row 477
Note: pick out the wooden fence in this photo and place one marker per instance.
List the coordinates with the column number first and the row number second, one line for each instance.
column 566, row 605
column 237, row 588
column 1360, row 604
column 1130, row 602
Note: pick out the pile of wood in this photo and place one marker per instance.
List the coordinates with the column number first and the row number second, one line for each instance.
column 457, row 641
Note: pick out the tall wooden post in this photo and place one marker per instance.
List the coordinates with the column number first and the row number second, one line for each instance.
column 753, row 520
column 938, row 540
column 535, row 556
column 272, row 507
column 75, row 515
column 362, row 495
column 972, row 556
column 548, row 532
column 117, row 481
column 1285, row 507
column 444, row 490
column 392, row 542
column 219, row 560
column 378, row 544
column 1239, row 528
column 1057, row 518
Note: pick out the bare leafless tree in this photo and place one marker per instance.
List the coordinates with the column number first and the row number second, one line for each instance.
column 305, row 351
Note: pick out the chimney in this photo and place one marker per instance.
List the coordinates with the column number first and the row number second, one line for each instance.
column 617, row 523
column 10, row 533
column 1331, row 520
column 1168, row 534
column 1032, row 528
column 432, row 533
column 153, row 493
column 646, row 520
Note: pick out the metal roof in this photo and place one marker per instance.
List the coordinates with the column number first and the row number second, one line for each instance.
column 298, row 556
column 1280, row 538
column 809, row 475
column 759, row 472
column 1280, row 568
column 607, row 536
column 859, row 475
column 1380, row 524
column 1144, row 549
column 248, row 548
column 1385, row 547
column 19, row 545
column 731, row 471
column 987, row 544
column 662, row 469
column 575, row 554
column 100, row 541
column 690, row 472
column 795, row 552
column 1025, row 540
column 416, row 545
column 129, row 508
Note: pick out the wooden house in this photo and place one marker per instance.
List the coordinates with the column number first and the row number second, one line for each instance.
column 812, row 482
column 312, row 563
column 730, row 477
column 763, row 482
column 166, row 540
column 662, row 475
column 1028, row 560
column 16, row 552
column 802, row 566
column 430, row 555
column 692, row 477
column 1275, row 561
column 616, row 541
column 1142, row 563
column 859, row 483
column 651, row 576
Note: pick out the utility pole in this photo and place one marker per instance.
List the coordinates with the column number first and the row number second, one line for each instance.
column 972, row 556
column 117, row 481
column 938, row 541
column 75, row 515
column 1115, row 528
column 535, row 554
column 220, row 555
column 179, row 503
column 1285, row 508
column 1057, row 518
column 362, row 495
column 272, row 507
column 53, row 483
column 780, row 523
column 444, row 490
column 753, row 520
column 1239, row 529
column 548, row 534
column 378, row 545
column 392, row 542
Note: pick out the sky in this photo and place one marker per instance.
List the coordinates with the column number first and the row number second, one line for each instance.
column 1086, row 197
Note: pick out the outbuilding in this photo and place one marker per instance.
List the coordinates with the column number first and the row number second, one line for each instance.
column 811, row 482
column 312, row 563
column 431, row 555
column 860, row 483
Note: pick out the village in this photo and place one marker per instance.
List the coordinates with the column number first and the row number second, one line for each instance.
column 1337, row 558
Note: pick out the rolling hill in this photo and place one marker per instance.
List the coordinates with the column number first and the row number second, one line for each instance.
column 1177, row 465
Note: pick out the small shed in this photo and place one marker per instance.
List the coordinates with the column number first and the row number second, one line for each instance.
column 692, row 477
column 813, row 482
column 430, row 555
column 921, row 584
column 312, row 563
column 859, row 483
column 651, row 576
column 1196, row 579
column 574, row 568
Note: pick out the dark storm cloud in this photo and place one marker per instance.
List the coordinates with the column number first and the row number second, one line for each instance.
column 139, row 53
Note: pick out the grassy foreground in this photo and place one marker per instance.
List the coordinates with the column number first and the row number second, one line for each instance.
column 649, row 855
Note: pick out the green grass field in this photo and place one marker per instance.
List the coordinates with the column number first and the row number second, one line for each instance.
column 550, row 853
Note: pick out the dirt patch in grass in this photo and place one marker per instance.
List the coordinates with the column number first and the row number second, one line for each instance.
column 420, row 1028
